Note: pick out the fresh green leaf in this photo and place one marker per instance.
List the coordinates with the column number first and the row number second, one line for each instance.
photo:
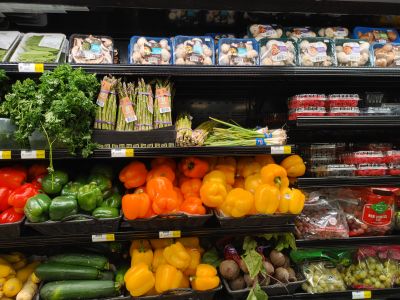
column 256, row 293
column 249, row 244
column 211, row 257
column 253, row 261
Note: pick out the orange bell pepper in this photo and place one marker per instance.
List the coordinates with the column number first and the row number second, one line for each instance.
column 242, row 162
column 227, row 160
column 182, row 179
column 185, row 283
column 193, row 167
column 140, row 189
column 250, row 169
column 195, row 257
column 133, row 175
column 191, row 187
column 212, row 162
column 162, row 161
column 213, row 194
column 264, row 160
column 252, row 182
column 238, row 203
column 215, row 176
column 161, row 171
column 193, row 206
column 135, row 205
column 229, row 172
column 178, row 191
column 267, row 199
column 158, row 185
column 239, row 183
column 166, row 203
column 206, row 278
column 275, row 175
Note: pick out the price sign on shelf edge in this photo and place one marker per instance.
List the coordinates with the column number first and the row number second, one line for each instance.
column 105, row 237
column 123, row 152
column 33, row 154
column 30, row 68
column 281, row 149
column 5, row 154
column 169, row 234
column 361, row 295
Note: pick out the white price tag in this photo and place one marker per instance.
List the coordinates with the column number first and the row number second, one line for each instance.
column 361, row 295
column 169, row 234
column 5, row 154
column 33, row 154
column 30, row 68
column 105, row 237
column 281, row 149
column 122, row 152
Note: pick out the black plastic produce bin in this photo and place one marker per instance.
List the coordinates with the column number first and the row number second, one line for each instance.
column 183, row 294
column 255, row 220
column 11, row 230
column 71, row 225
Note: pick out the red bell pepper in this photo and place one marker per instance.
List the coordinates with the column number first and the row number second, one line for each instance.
column 12, row 177
column 20, row 195
column 37, row 170
column 10, row 216
column 4, row 194
column 37, row 181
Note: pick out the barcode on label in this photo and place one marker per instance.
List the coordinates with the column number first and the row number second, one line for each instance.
column 5, row 154
column 33, row 154
column 281, row 149
column 361, row 295
column 169, row 234
column 128, row 152
column 106, row 237
column 165, row 110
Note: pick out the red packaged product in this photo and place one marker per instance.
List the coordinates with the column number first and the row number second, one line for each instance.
column 343, row 111
column 363, row 157
column 306, row 112
column 307, row 100
column 371, row 170
column 394, row 169
column 343, row 100
column 392, row 157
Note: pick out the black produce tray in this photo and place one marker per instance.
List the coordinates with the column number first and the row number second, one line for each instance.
column 72, row 226
column 169, row 222
column 183, row 294
column 11, row 230
column 255, row 220
column 166, row 135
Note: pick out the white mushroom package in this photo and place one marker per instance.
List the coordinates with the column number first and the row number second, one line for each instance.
column 316, row 52
column 299, row 32
column 352, row 53
column 334, row 32
column 193, row 50
column 238, row 52
column 278, row 52
column 90, row 49
column 260, row 31
column 150, row 51
column 387, row 55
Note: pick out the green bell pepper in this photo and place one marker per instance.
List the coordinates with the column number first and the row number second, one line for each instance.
column 102, row 169
column 113, row 201
column 37, row 208
column 89, row 197
column 62, row 206
column 71, row 189
column 52, row 184
column 105, row 213
column 102, row 182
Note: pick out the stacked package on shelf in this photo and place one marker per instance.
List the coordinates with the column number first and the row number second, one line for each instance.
column 343, row 105
column 307, row 105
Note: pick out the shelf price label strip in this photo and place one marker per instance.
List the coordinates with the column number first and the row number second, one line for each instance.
column 123, row 152
column 281, row 149
column 169, row 234
column 30, row 68
column 5, row 154
column 33, row 154
column 361, row 295
column 105, row 237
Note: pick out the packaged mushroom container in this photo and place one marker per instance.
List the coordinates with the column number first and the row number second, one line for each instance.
column 352, row 53
column 278, row 52
column 238, row 52
column 372, row 34
column 260, row 31
column 193, row 50
column 299, row 32
column 334, row 32
column 150, row 51
column 316, row 52
column 90, row 49
column 386, row 55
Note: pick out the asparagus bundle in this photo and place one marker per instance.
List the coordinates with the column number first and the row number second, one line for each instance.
column 144, row 106
column 236, row 135
column 126, row 113
column 107, row 105
column 183, row 126
column 201, row 132
column 163, row 105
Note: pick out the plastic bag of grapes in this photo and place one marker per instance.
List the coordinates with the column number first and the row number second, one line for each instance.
column 322, row 277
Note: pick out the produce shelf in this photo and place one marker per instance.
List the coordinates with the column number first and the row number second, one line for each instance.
column 352, row 241
column 323, row 182
column 348, row 122
column 393, row 293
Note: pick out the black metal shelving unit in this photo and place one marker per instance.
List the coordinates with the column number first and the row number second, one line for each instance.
column 323, row 182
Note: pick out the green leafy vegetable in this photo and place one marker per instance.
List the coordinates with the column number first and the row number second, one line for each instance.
column 283, row 240
column 211, row 257
column 256, row 293
column 252, row 258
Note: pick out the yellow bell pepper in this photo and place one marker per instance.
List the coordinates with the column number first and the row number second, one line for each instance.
column 139, row 280
column 139, row 244
column 242, row 162
column 206, row 278
column 185, row 283
column 287, row 196
column 238, row 203
column 250, row 169
column 161, row 243
column 189, row 242
column 152, row 292
column 177, row 256
column 295, row 207
column 195, row 257
column 264, row 160
column 158, row 259
column 239, row 183
column 213, row 194
column 294, row 166
column 275, row 175
column 267, row 199
column 142, row 256
column 229, row 171
column 252, row 182
column 168, row 278
column 215, row 176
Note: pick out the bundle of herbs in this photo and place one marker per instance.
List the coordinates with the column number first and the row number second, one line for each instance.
column 60, row 105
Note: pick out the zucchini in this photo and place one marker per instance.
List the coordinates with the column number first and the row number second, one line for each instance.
column 79, row 289
column 106, row 275
column 80, row 259
column 52, row 271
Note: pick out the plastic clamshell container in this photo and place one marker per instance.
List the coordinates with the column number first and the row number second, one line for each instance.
column 353, row 53
column 376, row 34
column 238, row 52
column 260, row 31
column 320, row 150
column 144, row 50
column 54, row 41
column 8, row 41
column 394, row 169
column 334, row 32
column 392, row 156
column 218, row 35
column 7, row 129
column 335, row 170
column 91, row 49
column 307, row 100
column 317, row 52
column 376, row 111
column 278, row 52
column 343, row 100
column 343, row 111
column 386, row 55
column 306, row 112
column 321, row 160
column 193, row 50
column 371, row 170
column 299, row 32
column 364, row 157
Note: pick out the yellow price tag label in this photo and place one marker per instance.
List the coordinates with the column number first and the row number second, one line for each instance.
column 39, row 68
column 33, row 154
column 169, row 234
column 5, row 154
column 281, row 149
column 105, row 237
column 30, row 68
column 123, row 152
column 361, row 295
